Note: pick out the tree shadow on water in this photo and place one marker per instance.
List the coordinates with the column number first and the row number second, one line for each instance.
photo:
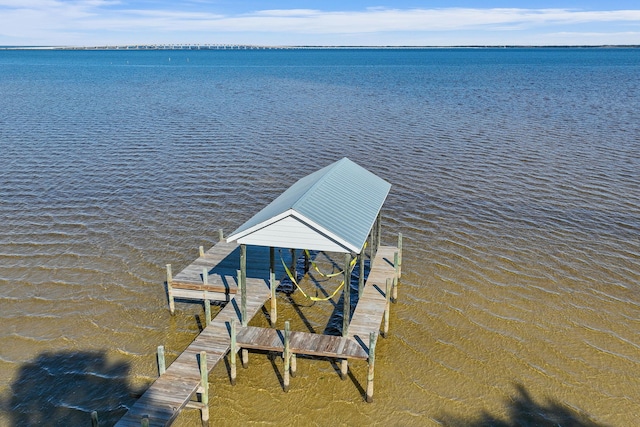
column 523, row 411
column 63, row 388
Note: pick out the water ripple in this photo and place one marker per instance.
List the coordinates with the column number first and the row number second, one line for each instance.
column 516, row 185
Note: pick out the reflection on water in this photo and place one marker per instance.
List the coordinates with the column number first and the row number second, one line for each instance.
column 515, row 185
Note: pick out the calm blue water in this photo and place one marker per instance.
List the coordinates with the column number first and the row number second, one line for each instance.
column 516, row 184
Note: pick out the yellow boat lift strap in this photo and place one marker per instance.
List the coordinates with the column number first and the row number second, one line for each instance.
column 295, row 282
column 328, row 276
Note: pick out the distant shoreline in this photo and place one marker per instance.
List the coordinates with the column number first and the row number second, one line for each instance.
column 259, row 47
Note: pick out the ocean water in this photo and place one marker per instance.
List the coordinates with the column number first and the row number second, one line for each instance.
column 516, row 185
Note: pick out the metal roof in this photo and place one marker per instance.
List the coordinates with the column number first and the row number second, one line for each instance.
column 333, row 208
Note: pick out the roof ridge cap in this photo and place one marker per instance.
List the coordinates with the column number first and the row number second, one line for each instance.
column 330, row 167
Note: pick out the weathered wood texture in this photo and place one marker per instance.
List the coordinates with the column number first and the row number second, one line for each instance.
column 173, row 390
column 221, row 263
column 300, row 343
column 370, row 309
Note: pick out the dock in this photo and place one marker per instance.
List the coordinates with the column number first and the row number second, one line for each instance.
column 335, row 210
column 181, row 384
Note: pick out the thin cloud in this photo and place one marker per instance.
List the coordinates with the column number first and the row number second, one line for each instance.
column 106, row 20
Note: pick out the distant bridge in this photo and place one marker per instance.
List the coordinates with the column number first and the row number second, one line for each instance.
column 178, row 47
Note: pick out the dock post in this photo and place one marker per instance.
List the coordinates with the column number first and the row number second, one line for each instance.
column 285, row 355
column 371, row 255
column 293, row 269
column 201, row 250
column 274, row 309
column 396, row 265
column 234, row 352
column 207, row 312
column 344, row 369
column 221, row 235
column 94, row 419
column 346, row 292
column 306, row 261
column 293, row 365
column 243, row 280
column 172, row 303
column 272, row 260
column 244, row 353
column 399, row 255
column 346, row 311
column 162, row 366
column 204, row 382
column 372, row 359
column 387, row 297
column 378, row 230
column 207, row 302
column 144, row 421
column 361, row 275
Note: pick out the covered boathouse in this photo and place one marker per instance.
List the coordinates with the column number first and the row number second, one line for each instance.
column 335, row 209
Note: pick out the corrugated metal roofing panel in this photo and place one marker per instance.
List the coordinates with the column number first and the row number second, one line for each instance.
column 342, row 199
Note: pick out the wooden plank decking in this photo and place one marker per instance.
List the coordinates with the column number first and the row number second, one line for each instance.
column 222, row 263
column 371, row 305
column 300, row 343
column 174, row 389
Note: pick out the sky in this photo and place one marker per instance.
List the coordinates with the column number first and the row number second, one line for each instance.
column 318, row 23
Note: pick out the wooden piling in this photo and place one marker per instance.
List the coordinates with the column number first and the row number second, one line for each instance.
column 272, row 259
column 387, row 296
column 233, row 352
column 372, row 359
column 286, row 357
column 207, row 312
column 244, row 353
column 306, row 261
column 293, row 364
column 94, row 419
column 371, row 255
column 346, row 292
column 162, row 366
column 361, row 275
column 172, row 304
column 220, row 235
column 274, row 309
column 344, row 369
column 201, row 251
column 207, row 302
column 399, row 255
column 396, row 265
column 243, row 279
column 293, row 269
column 204, row 383
column 378, row 230
column 144, row 421
column 346, row 311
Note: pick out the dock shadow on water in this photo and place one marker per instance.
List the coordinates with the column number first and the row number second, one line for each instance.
column 63, row 388
column 524, row 411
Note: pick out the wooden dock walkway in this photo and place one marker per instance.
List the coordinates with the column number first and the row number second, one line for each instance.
column 373, row 302
column 300, row 343
column 175, row 388
column 183, row 380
